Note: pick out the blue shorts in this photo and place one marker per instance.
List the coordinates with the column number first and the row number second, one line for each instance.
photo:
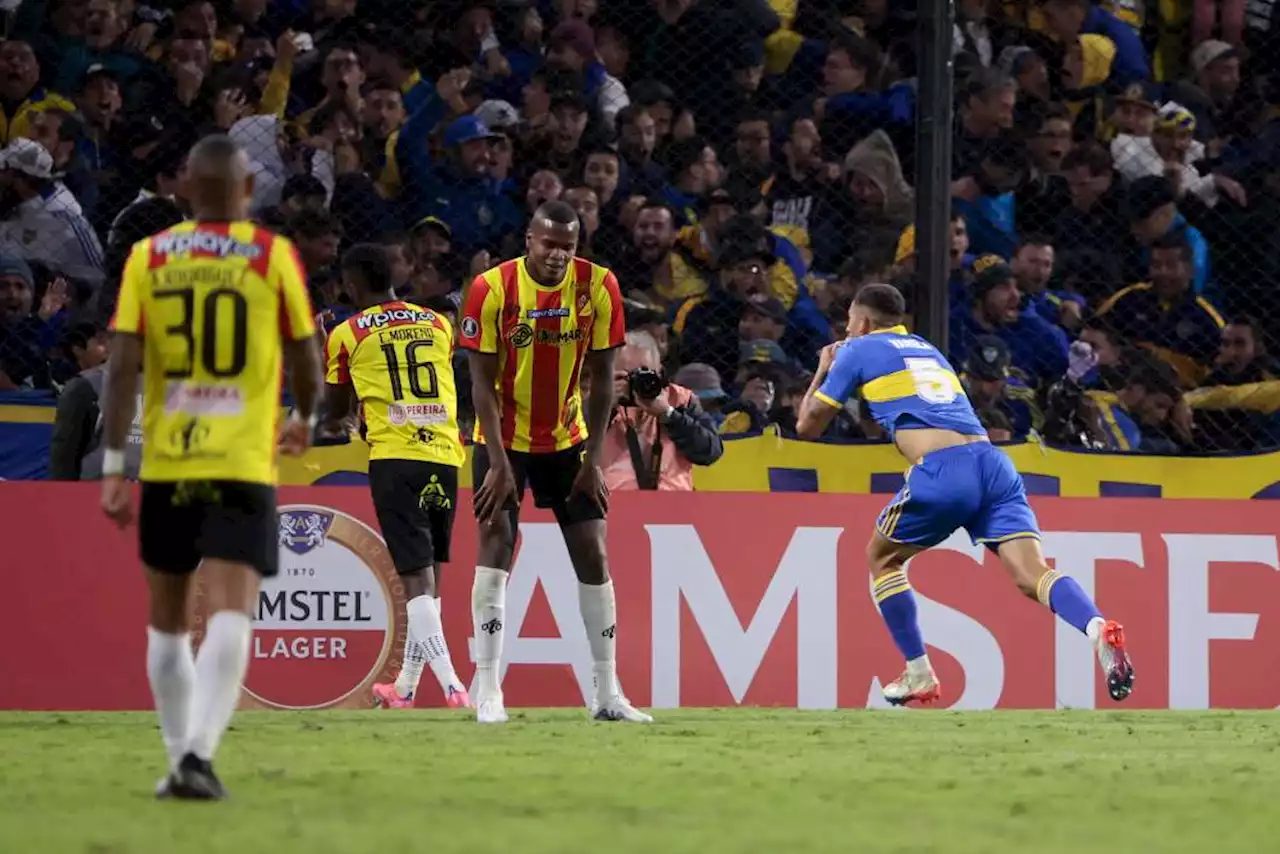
column 974, row 487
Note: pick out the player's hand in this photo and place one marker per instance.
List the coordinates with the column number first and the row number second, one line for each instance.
column 495, row 493
column 590, row 483
column 295, row 437
column 828, row 356
column 117, row 500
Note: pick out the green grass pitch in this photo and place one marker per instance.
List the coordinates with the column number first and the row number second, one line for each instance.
column 705, row 781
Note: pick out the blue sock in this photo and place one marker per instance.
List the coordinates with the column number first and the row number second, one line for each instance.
column 1067, row 599
column 898, row 607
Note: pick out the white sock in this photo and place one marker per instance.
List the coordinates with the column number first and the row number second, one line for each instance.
column 919, row 666
column 425, row 644
column 171, row 669
column 1094, row 628
column 220, row 668
column 600, row 617
column 488, row 612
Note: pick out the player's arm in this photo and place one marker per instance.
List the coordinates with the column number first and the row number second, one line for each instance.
column 340, row 399
column 835, row 380
column 479, row 335
column 124, row 362
column 299, row 340
column 608, row 333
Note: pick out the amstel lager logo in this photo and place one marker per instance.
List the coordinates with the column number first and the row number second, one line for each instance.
column 326, row 625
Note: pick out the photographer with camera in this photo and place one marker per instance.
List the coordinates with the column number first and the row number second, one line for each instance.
column 657, row 432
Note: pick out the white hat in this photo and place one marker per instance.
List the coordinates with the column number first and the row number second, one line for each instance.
column 28, row 157
column 498, row 115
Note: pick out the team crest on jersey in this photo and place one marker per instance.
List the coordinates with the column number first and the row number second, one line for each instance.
column 300, row 531
column 470, row 329
column 521, row 335
column 584, row 303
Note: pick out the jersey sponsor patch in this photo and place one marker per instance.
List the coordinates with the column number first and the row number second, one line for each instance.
column 470, row 329
column 203, row 243
column 375, row 320
column 400, row 414
column 188, row 398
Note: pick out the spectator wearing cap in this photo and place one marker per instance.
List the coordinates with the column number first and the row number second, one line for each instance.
column 1165, row 314
column 1038, row 349
column 47, row 224
column 1032, row 266
column 103, row 45
column 761, row 327
column 1133, row 111
column 986, row 197
column 1066, row 20
column 754, row 409
column 705, row 383
column 1153, row 214
column 20, row 90
column 695, row 171
column 991, row 385
column 458, row 188
column 22, row 360
column 573, row 47
column 1173, row 151
column 1213, row 93
column 654, row 444
column 99, row 102
column 662, row 272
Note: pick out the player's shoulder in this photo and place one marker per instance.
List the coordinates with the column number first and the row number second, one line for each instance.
column 587, row 271
column 425, row 314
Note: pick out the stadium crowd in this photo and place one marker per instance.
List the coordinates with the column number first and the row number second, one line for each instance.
column 742, row 165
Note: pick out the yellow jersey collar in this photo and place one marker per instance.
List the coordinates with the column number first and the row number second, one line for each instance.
column 892, row 330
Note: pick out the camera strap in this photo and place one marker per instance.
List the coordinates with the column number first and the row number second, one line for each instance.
column 646, row 475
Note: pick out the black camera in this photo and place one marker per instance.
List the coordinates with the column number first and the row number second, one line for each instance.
column 645, row 384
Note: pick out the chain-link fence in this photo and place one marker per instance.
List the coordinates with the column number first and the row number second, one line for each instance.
column 742, row 165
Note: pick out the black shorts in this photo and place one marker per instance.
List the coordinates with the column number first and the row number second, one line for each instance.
column 181, row 523
column 415, row 501
column 549, row 476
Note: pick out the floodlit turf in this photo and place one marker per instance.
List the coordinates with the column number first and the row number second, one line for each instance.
column 711, row 782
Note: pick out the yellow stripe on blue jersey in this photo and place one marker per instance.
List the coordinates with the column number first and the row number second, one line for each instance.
column 904, row 380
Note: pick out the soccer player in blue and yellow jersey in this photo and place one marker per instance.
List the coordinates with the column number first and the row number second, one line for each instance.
column 211, row 311
column 958, row 479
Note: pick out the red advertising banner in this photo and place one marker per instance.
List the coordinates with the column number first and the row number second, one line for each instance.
column 723, row 599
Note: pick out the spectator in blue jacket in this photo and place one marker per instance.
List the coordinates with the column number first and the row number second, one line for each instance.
column 1032, row 264
column 1067, row 20
column 986, row 198
column 458, row 190
column 1038, row 349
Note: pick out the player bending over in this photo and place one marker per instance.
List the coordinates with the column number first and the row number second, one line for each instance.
column 530, row 325
column 958, row 480
column 395, row 360
column 207, row 309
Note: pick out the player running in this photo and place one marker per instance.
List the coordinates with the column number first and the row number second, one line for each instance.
column 958, row 480
column 530, row 325
column 395, row 360
column 206, row 310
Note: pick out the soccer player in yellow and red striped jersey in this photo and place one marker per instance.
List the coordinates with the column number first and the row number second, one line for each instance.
column 210, row 311
column 395, row 360
column 531, row 326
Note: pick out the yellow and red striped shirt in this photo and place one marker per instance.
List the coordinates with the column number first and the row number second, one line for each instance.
column 541, row 334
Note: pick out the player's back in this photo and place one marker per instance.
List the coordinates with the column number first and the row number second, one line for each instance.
column 213, row 301
column 908, row 384
column 399, row 358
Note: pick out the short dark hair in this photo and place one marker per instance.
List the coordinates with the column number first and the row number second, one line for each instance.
column 862, row 52
column 1176, row 239
column 983, row 82
column 1095, row 158
column 368, row 264
column 1145, row 370
column 558, row 212
column 1035, row 238
column 884, row 302
column 78, row 335
column 683, row 154
column 654, row 203
column 1251, row 323
column 309, row 224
